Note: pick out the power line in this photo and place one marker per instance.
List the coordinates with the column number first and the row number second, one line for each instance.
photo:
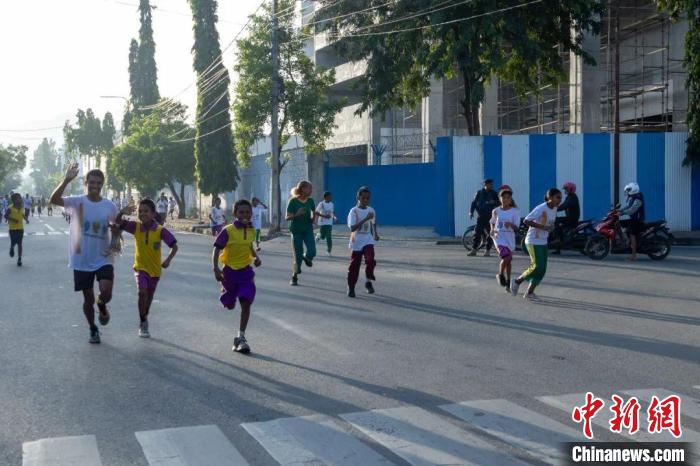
column 30, row 130
column 203, row 135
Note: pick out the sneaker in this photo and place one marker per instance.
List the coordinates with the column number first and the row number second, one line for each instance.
column 94, row 336
column 472, row 253
column 12, row 252
column 369, row 287
column 240, row 345
column 104, row 318
column 501, row 279
column 308, row 262
column 530, row 296
column 328, row 254
column 487, row 253
column 19, row 262
column 294, row 281
column 318, row 239
column 351, row 292
column 514, row 287
column 507, row 288
column 143, row 330
column 258, row 249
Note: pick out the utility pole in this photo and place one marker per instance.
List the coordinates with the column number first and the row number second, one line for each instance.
column 616, row 136
column 275, row 195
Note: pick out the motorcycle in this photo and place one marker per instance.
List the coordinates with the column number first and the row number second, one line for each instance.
column 564, row 238
column 468, row 237
column 654, row 241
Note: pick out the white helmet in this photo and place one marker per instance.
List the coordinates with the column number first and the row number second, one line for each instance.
column 631, row 189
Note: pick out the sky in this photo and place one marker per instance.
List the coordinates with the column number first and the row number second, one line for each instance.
column 58, row 56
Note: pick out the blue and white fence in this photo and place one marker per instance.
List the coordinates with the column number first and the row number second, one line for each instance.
column 531, row 164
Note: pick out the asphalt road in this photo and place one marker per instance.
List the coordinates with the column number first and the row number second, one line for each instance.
column 438, row 332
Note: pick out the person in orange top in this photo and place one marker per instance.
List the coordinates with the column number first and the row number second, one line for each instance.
column 234, row 248
column 15, row 216
column 149, row 235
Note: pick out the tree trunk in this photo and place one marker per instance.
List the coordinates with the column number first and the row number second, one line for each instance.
column 178, row 198
column 276, row 194
column 181, row 207
column 470, row 110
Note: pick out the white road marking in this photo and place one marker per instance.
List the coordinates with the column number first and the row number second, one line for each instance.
column 537, row 434
column 62, row 451
column 50, row 227
column 425, row 439
column 303, row 334
column 567, row 402
column 189, row 446
column 689, row 406
column 4, row 235
column 314, row 439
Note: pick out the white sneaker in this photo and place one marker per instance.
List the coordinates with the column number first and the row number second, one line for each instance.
column 514, row 287
column 143, row 330
column 530, row 296
column 329, row 254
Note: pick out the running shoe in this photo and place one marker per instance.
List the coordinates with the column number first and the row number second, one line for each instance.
column 329, row 254
column 12, row 252
column 351, row 292
column 472, row 253
column 530, row 296
column 19, row 262
column 514, row 287
column 294, row 281
column 308, row 262
column 143, row 330
column 369, row 287
column 240, row 345
column 104, row 317
column 501, row 279
column 95, row 336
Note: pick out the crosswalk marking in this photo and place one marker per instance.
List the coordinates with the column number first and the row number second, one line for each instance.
column 189, row 446
column 314, row 439
column 422, row 438
column 539, row 435
column 62, row 451
column 689, row 406
column 39, row 233
column 602, row 419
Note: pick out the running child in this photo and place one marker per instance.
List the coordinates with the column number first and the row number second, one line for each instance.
column 258, row 210
column 234, row 248
column 363, row 227
column 540, row 222
column 325, row 212
column 505, row 221
column 148, row 234
column 16, row 216
column 301, row 213
column 217, row 219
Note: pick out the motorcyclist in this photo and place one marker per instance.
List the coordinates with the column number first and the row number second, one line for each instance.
column 485, row 200
column 635, row 210
column 572, row 210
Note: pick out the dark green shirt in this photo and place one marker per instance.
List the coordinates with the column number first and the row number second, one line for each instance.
column 303, row 223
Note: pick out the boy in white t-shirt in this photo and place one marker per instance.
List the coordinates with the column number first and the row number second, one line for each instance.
column 326, row 216
column 217, row 219
column 362, row 222
column 541, row 223
column 505, row 221
column 258, row 210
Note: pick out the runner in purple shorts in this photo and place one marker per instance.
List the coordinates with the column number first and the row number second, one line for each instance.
column 234, row 248
column 505, row 221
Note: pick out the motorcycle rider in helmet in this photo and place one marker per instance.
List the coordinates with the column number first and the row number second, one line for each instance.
column 572, row 210
column 635, row 210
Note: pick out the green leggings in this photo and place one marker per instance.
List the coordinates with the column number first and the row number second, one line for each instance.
column 538, row 263
column 299, row 240
column 326, row 233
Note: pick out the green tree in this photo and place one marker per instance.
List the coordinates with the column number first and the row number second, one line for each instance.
column 148, row 73
column 151, row 157
column 690, row 10
column 13, row 159
column 305, row 107
column 515, row 40
column 87, row 137
column 215, row 156
column 44, row 164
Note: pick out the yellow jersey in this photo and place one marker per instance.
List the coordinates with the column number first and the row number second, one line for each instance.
column 148, row 246
column 237, row 246
column 16, row 218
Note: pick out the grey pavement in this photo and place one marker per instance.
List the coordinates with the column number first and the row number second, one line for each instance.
column 423, row 372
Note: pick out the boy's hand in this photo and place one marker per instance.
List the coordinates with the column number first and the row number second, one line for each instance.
column 370, row 216
column 376, row 237
column 166, row 263
column 218, row 275
column 72, row 172
column 257, row 262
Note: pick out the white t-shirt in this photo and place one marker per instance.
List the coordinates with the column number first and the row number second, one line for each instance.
column 258, row 212
column 162, row 206
column 89, row 232
column 544, row 215
column 325, row 208
column 218, row 215
column 172, row 203
column 505, row 236
column 365, row 235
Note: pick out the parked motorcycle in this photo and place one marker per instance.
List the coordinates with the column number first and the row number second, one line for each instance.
column 654, row 241
column 563, row 238
column 468, row 237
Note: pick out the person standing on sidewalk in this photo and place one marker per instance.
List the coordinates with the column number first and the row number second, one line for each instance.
column 485, row 200
column 301, row 214
column 362, row 221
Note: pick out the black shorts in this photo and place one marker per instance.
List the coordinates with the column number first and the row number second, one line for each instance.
column 16, row 237
column 86, row 280
column 633, row 228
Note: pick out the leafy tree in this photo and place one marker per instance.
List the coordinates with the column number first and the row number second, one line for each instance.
column 88, row 138
column 12, row 161
column 150, row 158
column 305, row 108
column 690, row 9
column 215, row 156
column 513, row 39
column 44, row 164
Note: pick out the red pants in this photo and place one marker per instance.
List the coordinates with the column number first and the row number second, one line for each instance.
column 356, row 262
